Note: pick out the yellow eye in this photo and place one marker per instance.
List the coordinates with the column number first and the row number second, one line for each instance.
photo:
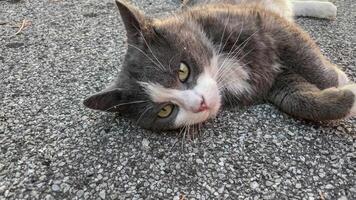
column 165, row 111
column 183, row 72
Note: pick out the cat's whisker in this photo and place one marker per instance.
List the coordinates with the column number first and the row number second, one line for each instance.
column 243, row 56
column 225, row 69
column 127, row 103
column 183, row 131
column 155, row 63
column 170, row 62
column 226, row 42
column 222, row 36
column 189, row 132
column 221, row 85
column 191, row 135
column 241, row 46
column 229, row 38
column 228, row 70
column 246, row 54
column 238, row 48
column 199, row 129
column 238, row 37
column 149, row 48
column 196, row 131
column 174, row 144
column 143, row 113
column 222, row 69
column 244, row 43
column 233, row 100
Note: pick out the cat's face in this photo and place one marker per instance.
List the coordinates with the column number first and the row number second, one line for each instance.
column 168, row 79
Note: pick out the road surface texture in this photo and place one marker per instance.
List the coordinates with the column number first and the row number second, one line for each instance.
column 54, row 148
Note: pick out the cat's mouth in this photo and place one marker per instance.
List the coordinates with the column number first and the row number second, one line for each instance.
column 207, row 109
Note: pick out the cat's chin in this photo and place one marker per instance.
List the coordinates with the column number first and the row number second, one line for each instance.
column 189, row 118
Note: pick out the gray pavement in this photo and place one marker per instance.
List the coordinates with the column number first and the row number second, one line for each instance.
column 51, row 147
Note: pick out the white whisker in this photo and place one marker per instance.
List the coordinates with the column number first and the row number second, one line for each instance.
column 238, row 37
column 225, row 84
column 222, row 36
column 143, row 113
column 127, row 103
column 240, row 48
column 155, row 64
column 149, row 48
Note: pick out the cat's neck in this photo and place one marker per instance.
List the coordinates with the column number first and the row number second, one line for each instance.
column 246, row 57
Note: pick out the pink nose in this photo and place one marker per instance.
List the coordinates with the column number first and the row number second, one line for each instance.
column 203, row 106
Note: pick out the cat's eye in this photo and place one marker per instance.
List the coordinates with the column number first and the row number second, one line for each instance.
column 165, row 111
column 183, row 73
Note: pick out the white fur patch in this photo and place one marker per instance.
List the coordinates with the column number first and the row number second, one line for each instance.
column 233, row 77
column 342, row 78
column 282, row 7
column 352, row 88
column 317, row 9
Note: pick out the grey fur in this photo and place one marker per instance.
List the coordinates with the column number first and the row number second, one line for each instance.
column 156, row 47
column 298, row 97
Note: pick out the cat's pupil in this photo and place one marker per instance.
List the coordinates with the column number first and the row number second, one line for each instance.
column 165, row 111
column 183, row 72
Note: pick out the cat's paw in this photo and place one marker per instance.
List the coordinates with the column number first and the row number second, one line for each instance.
column 352, row 88
column 342, row 78
column 328, row 10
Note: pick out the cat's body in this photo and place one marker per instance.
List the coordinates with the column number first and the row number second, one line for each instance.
column 180, row 70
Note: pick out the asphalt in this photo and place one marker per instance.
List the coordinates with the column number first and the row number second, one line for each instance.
column 51, row 147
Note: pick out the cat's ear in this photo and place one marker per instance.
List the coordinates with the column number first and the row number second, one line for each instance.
column 106, row 100
column 134, row 20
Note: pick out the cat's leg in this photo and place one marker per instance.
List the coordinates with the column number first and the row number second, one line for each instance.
column 299, row 53
column 318, row 70
column 319, row 9
column 297, row 97
column 333, row 69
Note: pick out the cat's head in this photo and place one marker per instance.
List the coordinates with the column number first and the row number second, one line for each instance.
column 168, row 78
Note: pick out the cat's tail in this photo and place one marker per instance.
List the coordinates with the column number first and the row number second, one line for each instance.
column 318, row 9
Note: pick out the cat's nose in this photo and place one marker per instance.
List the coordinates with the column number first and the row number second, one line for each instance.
column 203, row 106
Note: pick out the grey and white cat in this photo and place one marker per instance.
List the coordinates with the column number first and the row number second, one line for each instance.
column 180, row 70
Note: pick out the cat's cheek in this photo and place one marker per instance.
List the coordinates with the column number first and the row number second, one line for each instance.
column 217, row 105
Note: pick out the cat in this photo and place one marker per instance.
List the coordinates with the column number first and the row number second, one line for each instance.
column 180, row 70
